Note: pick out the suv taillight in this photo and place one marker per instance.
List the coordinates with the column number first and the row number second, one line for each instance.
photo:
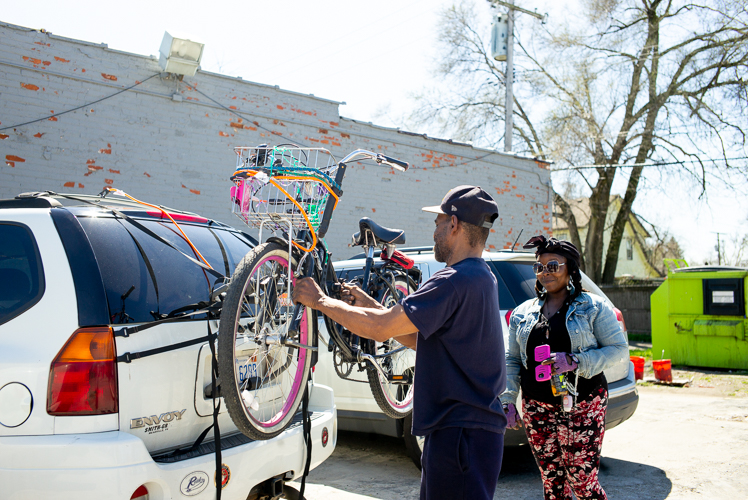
column 83, row 376
column 619, row 317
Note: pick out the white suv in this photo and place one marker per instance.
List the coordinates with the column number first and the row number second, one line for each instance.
column 87, row 411
column 357, row 410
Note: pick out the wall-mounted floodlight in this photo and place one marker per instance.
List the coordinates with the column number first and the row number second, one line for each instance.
column 179, row 56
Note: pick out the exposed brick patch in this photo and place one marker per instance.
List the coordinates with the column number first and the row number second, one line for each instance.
column 29, row 86
column 108, row 77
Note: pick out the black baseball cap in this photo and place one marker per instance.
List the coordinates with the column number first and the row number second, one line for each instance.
column 470, row 204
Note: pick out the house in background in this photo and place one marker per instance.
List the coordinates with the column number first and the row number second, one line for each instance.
column 634, row 257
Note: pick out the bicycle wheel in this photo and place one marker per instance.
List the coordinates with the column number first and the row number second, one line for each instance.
column 262, row 380
column 413, row 444
column 394, row 397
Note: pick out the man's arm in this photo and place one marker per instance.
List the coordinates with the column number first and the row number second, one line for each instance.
column 409, row 340
column 376, row 324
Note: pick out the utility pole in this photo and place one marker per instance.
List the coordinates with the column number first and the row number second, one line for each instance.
column 509, row 117
column 718, row 248
column 509, row 75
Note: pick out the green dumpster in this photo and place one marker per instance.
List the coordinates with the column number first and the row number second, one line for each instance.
column 698, row 317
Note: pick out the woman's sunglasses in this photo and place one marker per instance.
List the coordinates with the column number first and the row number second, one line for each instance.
column 552, row 267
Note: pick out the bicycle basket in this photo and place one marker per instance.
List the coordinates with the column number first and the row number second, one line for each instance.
column 278, row 185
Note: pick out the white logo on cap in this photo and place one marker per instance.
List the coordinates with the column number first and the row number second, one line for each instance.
column 454, row 208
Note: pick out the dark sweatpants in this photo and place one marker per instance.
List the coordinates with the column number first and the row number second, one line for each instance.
column 460, row 463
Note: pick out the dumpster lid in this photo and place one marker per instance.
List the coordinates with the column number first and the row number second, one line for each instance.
column 703, row 269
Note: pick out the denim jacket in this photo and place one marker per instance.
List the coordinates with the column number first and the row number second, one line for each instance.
column 596, row 338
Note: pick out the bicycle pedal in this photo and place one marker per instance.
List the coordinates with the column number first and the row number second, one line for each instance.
column 400, row 379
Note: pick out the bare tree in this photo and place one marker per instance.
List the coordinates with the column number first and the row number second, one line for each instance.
column 661, row 245
column 732, row 251
column 639, row 81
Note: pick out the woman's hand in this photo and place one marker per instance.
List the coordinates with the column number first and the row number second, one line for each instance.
column 561, row 362
column 352, row 295
column 512, row 417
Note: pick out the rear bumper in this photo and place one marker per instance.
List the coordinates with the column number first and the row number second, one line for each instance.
column 114, row 464
column 623, row 398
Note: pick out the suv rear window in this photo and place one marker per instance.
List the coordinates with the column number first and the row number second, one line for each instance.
column 131, row 292
column 516, row 282
column 21, row 272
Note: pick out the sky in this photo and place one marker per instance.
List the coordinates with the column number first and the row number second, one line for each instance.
column 374, row 56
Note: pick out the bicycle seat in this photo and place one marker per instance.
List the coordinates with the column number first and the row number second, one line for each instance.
column 376, row 234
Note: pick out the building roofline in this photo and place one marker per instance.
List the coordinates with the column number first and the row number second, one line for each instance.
column 448, row 141
column 155, row 58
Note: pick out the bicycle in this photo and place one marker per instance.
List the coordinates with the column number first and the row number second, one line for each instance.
column 266, row 343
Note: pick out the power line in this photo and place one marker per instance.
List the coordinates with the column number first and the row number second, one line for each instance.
column 81, row 106
column 657, row 164
column 234, row 112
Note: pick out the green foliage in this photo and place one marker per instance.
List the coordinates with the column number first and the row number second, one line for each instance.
column 646, row 353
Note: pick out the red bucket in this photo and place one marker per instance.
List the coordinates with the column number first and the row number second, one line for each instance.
column 638, row 367
column 663, row 370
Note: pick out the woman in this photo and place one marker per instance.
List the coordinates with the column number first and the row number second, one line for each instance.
column 584, row 338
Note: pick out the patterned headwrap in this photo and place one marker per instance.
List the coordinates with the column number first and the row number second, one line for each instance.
column 552, row 245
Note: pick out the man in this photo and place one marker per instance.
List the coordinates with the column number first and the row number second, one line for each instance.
column 454, row 322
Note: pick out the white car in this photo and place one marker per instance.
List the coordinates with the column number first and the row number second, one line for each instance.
column 89, row 410
column 357, row 410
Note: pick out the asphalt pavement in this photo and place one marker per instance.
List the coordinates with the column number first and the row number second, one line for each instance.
column 678, row 445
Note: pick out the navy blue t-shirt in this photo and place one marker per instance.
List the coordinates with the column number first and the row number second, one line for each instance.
column 460, row 367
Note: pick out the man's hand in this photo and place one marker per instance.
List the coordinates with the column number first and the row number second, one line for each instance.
column 352, row 295
column 307, row 292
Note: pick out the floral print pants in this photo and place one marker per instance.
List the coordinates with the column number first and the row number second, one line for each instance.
column 566, row 445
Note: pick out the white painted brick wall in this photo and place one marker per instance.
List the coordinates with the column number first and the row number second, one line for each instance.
column 180, row 154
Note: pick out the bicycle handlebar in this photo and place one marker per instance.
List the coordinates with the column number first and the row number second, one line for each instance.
column 377, row 157
column 394, row 163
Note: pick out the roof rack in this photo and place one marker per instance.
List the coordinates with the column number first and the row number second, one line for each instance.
column 26, row 200
column 47, row 199
column 51, row 199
